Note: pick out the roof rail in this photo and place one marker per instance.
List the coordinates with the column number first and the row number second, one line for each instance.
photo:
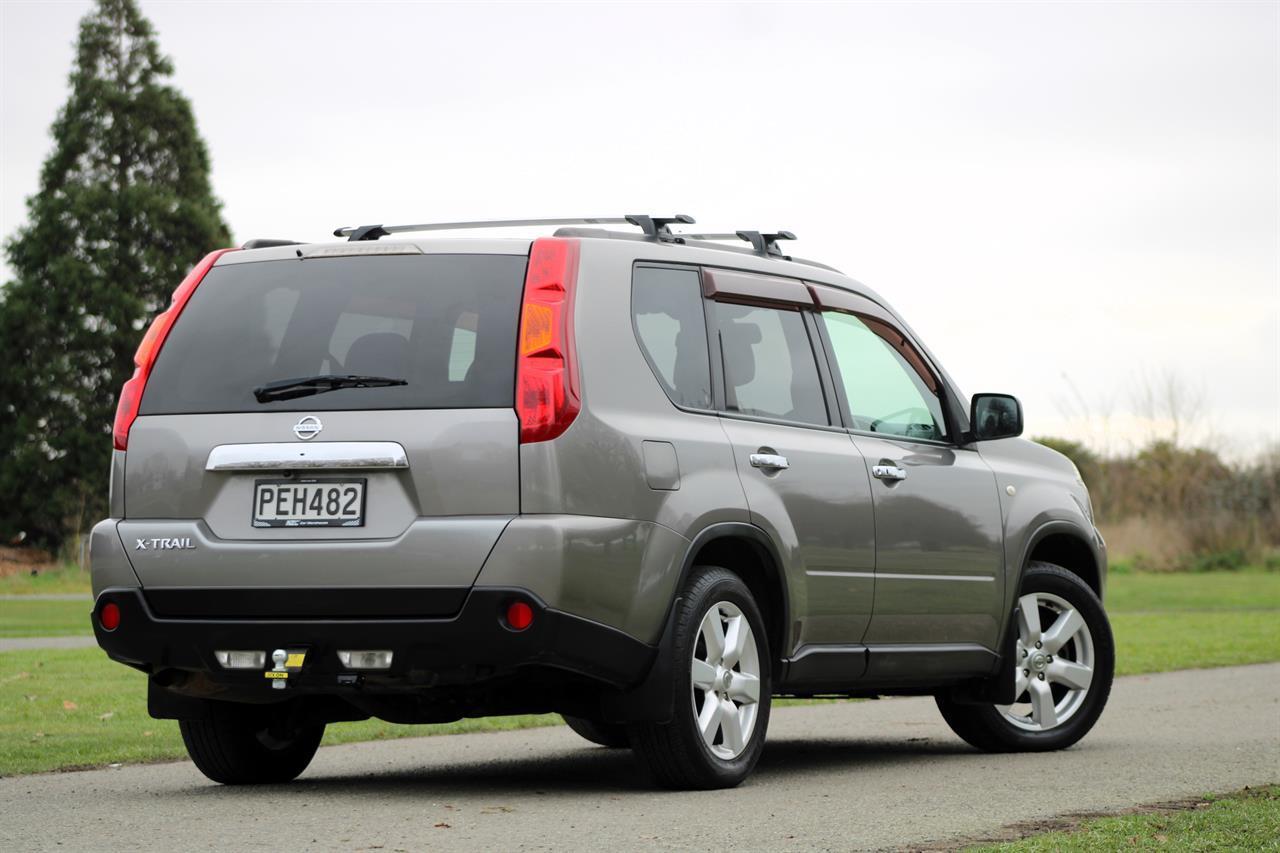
column 654, row 227
column 763, row 244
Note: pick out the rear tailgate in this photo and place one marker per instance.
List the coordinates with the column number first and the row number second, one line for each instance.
column 370, row 489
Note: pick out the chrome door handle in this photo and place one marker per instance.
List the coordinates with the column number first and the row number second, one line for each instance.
column 888, row 472
column 771, row 461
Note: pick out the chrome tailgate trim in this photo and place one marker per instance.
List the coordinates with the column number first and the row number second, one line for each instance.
column 329, row 455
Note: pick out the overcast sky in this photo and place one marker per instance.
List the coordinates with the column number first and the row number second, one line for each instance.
column 1068, row 202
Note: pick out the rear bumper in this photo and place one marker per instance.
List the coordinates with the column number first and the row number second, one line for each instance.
column 467, row 648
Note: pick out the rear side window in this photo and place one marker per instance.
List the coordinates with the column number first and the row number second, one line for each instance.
column 446, row 324
column 667, row 307
column 769, row 367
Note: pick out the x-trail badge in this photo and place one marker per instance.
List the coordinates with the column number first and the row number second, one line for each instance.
column 308, row 427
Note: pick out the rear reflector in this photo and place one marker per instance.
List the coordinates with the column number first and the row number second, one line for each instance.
column 241, row 659
column 519, row 615
column 547, row 398
column 152, row 341
column 109, row 616
column 380, row 659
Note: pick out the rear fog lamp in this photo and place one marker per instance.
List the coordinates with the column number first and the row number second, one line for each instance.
column 109, row 616
column 519, row 615
column 380, row 659
column 241, row 659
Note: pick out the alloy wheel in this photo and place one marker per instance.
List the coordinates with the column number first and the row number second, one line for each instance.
column 725, row 676
column 1053, row 665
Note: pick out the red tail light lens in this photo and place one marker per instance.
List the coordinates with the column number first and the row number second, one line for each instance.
column 152, row 341
column 547, row 397
column 109, row 616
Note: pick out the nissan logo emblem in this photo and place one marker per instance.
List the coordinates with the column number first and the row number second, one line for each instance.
column 308, row 427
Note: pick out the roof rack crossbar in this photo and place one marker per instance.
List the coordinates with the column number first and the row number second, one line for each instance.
column 652, row 226
column 763, row 244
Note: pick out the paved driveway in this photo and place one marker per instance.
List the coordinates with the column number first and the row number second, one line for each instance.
column 839, row 777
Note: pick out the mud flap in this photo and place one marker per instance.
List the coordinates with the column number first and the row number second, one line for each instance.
column 164, row 704
column 997, row 689
column 652, row 700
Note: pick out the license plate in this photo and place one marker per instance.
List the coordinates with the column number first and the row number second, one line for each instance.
column 314, row 502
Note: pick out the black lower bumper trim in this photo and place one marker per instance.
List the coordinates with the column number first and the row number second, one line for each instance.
column 472, row 645
column 288, row 603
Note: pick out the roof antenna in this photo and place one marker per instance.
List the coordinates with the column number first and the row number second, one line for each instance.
column 659, row 227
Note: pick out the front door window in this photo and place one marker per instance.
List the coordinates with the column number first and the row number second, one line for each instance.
column 887, row 393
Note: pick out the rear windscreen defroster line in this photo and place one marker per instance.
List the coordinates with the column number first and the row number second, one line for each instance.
column 445, row 324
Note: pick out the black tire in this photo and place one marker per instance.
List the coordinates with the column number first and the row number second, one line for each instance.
column 244, row 745
column 611, row 735
column 675, row 752
column 985, row 727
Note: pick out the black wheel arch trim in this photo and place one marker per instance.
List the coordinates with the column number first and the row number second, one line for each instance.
column 1049, row 528
column 758, row 537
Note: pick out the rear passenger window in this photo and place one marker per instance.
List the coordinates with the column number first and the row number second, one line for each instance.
column 769, row 367
column 667, row 307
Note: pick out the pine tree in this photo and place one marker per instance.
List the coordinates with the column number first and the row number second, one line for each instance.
column 123, row 211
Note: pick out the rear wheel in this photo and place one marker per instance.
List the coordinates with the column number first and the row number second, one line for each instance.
column 249, row 746
column 1062, row 668
column 721, row 686
column 611, row 735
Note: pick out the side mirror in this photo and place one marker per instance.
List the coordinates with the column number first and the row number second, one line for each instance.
column 994, row 416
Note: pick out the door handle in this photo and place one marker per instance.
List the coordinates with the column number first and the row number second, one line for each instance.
column 769, row 461
column 891, row 473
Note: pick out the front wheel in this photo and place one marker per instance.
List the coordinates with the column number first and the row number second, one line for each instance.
column 721, row 687
column 1063, row 665
column 238, row 745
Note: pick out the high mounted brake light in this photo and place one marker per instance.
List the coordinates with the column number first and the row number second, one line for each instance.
column 152, row 341
column 547, row 397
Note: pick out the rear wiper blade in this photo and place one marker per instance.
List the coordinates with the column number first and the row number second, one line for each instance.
column 288, row 389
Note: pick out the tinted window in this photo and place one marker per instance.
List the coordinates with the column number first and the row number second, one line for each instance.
column 667, row 305
column 769, row 368
column 445, row 323
column 886, row 394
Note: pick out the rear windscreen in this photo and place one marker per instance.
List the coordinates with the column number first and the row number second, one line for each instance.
column 446, row 324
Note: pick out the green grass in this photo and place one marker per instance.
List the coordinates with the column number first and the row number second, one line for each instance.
column 71, row 708
column 64, row 579
column 1160, row 642
column 1203, row 591
column 1191, row 621
column 44, row 618
column 1161, row 622
column 1249, row 820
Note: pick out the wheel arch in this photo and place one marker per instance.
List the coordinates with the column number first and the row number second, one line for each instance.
column 1062, row 543
column 749, row 552
column 1065, row 545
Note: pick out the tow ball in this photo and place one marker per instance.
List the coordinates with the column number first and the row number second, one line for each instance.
column 284, row 662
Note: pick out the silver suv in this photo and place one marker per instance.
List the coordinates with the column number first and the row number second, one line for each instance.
column 646, row 480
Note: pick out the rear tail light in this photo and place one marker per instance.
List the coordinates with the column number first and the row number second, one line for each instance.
column 152, row 341
column 109, row 616
column 547, row 397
